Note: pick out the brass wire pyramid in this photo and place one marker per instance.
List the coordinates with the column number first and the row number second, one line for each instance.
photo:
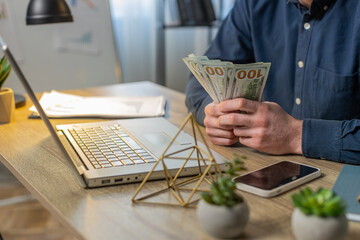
column 208, row 171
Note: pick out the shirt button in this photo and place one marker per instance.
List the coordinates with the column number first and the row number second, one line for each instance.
column 298, row 101
column 326, row 7
column 300, row 64
column 307, row 26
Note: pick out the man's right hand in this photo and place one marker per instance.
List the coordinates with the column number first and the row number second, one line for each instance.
column 218, row 134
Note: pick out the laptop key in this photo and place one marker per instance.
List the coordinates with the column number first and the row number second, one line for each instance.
column 111, row 159
column 140, row 161
column 127, row 162
column 97, row 166
column 110, row 147
column 102, row 162
column 150, row 160
column 131, row 143
column 106, row 165
column 117, row 163
column 132, row 154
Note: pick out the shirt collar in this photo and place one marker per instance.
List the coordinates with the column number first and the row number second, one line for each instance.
column 318, row 8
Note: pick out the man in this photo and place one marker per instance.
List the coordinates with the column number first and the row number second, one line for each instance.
column 312, row 95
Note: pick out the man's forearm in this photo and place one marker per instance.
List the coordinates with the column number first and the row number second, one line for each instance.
column 333, row 140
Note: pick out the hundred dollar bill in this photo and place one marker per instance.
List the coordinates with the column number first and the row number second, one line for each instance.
column 224, row 80
column 216, row 73
column 193, row 63
column 249, row 80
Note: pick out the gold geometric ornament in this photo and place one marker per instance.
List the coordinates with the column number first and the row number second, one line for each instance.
column 181, row 192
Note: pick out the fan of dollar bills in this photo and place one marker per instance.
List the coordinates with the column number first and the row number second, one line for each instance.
column 225, row 80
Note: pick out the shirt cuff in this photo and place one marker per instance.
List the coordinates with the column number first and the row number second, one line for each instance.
column 321, row 139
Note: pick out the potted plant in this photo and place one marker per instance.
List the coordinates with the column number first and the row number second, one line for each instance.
column 222, row 212
column 7, row 103
column 319, row 215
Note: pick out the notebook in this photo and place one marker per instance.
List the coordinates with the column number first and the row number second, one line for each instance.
column 116, row 152
column 347, row 186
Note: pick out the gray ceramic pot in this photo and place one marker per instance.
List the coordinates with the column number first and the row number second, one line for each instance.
column 223, row 222
column 309, row 227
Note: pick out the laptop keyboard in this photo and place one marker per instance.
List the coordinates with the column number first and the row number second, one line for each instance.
column 110, row 146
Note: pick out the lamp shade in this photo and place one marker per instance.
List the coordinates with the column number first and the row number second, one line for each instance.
column 48, row 11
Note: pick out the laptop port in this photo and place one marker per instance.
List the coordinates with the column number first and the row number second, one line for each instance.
column 106, row 181
column 118, row 179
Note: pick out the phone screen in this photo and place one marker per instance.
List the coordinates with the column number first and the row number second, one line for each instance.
column 276, row 175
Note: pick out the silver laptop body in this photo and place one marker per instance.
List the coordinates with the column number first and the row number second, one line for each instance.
column 129, row 150
column 152, row 135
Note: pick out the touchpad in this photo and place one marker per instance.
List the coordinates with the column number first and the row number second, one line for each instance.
column 158, row 138
column 163, row 139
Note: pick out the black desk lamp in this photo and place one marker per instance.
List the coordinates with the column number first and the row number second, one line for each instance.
column 47, row 11
column 42, row 12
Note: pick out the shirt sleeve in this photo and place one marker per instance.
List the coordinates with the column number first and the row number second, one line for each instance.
column 333, row 140
column 232, row 43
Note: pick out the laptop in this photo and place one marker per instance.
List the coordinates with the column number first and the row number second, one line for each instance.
column 120, row 151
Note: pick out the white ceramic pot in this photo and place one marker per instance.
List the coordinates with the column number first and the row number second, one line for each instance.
column 223, row 222
column 7, row 105
column 309, row 227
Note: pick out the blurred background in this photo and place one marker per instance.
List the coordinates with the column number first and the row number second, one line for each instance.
column 110, row 41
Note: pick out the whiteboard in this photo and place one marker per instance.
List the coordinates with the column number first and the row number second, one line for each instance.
column 64, row 55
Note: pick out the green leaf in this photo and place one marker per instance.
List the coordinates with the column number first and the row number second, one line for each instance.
column 5, row 70
column 222, row 191
column 306, row 211
column 306, row 192
column 297, row 199
column 328, row 194
column 323, row 202
column 207, row 197
column 2, row 61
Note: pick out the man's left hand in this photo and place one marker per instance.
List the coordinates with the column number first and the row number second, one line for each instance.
column 264, row 126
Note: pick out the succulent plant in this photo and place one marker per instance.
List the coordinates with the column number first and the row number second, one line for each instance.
column 223, row 191
column 5, row 69
column 322, row 203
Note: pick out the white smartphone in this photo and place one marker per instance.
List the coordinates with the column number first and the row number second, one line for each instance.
column 277, row 178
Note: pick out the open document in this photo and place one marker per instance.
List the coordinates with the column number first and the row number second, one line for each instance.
column 61, row 105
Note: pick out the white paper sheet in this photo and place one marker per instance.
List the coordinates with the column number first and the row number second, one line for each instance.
column 61, row 105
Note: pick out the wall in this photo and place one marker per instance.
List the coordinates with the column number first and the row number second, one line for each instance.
column 180, row 42
column 66, row 55
column 135, row 26
column 135, row 22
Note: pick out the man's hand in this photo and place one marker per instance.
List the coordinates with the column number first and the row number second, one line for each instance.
column 218, row 134
column 263, row 126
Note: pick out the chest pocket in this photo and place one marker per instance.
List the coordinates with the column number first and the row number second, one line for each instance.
column 336, row 96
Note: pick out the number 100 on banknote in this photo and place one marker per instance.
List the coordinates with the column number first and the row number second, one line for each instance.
column 224, row 80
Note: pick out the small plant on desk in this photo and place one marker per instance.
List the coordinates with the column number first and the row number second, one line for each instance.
column 219, row 207
column 319, row 215
column 5, row 69
column 223, row 191
column 7, row 102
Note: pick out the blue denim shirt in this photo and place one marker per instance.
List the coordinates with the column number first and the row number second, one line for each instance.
column 315, row 65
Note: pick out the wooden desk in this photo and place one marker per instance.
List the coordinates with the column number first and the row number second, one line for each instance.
column 31, row 154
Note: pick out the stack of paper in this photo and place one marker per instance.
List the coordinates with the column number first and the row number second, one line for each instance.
column 61, row 105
